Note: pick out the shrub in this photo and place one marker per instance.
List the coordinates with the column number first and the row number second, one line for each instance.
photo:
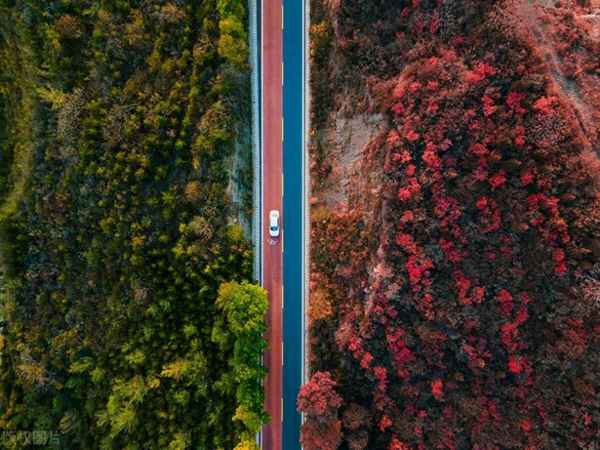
column 114, row 227
column 461, row 269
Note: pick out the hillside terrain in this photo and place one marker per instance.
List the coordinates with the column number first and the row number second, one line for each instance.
column 455, row 223
column 128, row 319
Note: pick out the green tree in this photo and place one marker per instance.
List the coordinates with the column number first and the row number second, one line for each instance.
column 242, row 329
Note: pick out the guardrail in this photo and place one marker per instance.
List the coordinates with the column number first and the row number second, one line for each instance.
column 257, row 175
column 254, row 37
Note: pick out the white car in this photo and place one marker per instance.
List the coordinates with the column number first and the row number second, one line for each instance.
column 274, row 223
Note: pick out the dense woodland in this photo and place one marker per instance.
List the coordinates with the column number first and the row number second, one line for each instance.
column 128, row 320
column 455, row 300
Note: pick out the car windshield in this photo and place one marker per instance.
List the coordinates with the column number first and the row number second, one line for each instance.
column 274, row 227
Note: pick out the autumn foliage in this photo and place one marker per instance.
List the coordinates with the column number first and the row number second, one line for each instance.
column 319, row 401
column 462, row 290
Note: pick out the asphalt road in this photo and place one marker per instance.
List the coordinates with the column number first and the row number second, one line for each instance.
column 293, row 218
column 271, row 73
column 282, row 105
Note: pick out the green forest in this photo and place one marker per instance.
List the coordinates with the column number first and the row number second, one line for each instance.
column 129, row 317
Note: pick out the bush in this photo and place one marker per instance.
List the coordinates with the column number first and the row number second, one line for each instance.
column 242, row 329
column 461, row 272
column 115, row 228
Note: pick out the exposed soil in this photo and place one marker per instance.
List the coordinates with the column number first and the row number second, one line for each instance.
column 579, row 90
column 346, row 143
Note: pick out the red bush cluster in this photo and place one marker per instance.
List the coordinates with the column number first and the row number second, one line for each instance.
column 319, row 401
column 471, row 326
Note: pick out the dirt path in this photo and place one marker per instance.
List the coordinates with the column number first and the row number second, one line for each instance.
column 531, row 14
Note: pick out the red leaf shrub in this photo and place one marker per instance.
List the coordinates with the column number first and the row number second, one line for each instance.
column 466, row 287
column 321, row 435
column 318, row 398
column 437, row 389
column 319, row 401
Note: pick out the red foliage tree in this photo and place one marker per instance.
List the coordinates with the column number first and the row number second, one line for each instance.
column 319, row 401
column 477, row 282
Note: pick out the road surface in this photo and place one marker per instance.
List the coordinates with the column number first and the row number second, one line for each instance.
column 271, row 57
column 282, row 51
column 293, row 219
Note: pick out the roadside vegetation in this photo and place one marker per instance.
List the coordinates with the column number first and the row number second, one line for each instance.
column 128, row 317
column 455, row 292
